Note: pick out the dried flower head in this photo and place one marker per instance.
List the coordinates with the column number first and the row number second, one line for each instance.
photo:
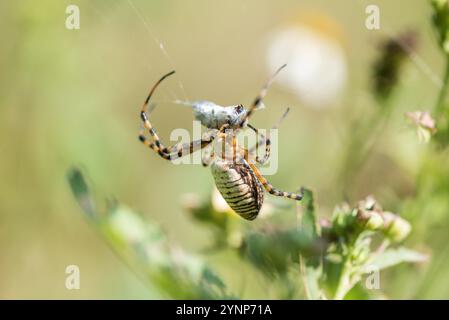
column 387, row 67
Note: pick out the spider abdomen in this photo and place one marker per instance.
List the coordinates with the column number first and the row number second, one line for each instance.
column 239, row 186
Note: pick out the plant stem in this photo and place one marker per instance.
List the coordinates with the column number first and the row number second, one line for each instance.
column 439, row 107
column 344, row 283
column 361, row 143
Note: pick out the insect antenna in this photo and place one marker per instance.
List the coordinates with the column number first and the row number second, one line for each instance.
column 183, row 102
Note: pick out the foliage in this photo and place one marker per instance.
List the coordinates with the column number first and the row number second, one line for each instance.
column 145, row 248
column 337, row 250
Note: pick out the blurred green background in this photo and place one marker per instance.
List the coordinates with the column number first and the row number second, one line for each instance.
column 71, row 97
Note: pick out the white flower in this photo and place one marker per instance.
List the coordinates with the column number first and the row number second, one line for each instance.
column 316, row 64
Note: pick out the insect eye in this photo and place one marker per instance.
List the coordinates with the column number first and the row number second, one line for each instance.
column 239, row 108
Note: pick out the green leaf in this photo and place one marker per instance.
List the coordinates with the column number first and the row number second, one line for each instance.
column 212, row 279
column 81, row 191
column 130, row 227
column 311, row 275
column 272, row 251
column 392, row 257
column 307, row 215
column 310, row 262
column 145, row 248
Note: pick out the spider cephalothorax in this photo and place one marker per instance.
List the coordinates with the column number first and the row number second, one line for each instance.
column 237, row 178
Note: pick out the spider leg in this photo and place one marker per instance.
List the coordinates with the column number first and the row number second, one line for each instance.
column 267, row 185
column 270, row 189
column 265, row 140
column 207, row 156
column 234, row 148
column 172, row 152
column 146, row 122
column 176, row 151
column 261, row 142
column 257, row 101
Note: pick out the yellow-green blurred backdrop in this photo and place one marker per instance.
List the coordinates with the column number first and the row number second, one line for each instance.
column 71, row 97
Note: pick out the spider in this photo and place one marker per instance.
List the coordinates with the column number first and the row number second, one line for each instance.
column 237, row 178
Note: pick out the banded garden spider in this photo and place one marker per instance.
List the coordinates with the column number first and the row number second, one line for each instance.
column 237, row 178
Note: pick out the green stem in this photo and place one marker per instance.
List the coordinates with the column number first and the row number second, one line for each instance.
column 361, row 143
column 344, row 283
column 439, row 107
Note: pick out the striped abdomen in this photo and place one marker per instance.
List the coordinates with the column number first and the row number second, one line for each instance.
column 239, row 187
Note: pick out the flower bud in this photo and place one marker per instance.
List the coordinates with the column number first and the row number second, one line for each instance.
column 369, row 220
column 342, row 219
column 361, row 253
column 396, row 228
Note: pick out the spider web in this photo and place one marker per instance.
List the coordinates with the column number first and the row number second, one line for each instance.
column 159, row 43
column 146, row 25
